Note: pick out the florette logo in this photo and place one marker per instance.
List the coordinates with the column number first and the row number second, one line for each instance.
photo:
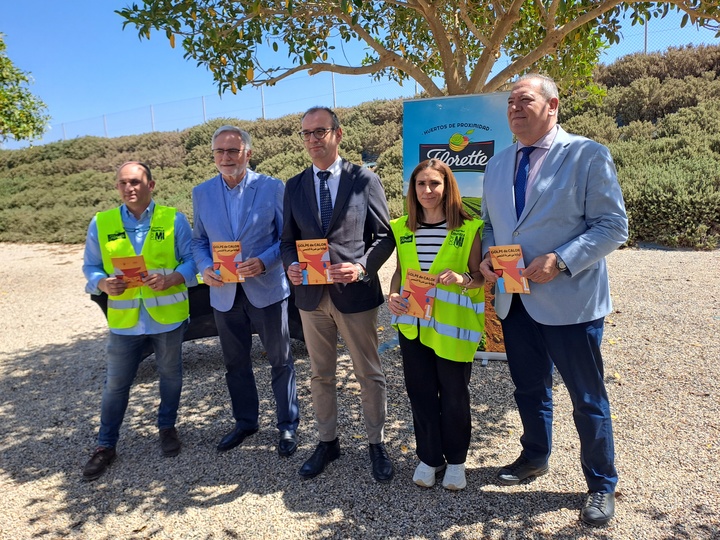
column 457, row 238
column 157, row 234
column 115, row 236
column 408, row 238
column 460, row 154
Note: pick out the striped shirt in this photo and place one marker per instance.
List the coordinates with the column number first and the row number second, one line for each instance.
column 429, row 239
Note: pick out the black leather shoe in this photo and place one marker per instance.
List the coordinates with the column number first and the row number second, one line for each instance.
column 599, row 508
column 169, row 442
column 519, row 470
column 324, row 453
column 234, row 438
column 98, row 463
column 382, row 467
column 287, row 444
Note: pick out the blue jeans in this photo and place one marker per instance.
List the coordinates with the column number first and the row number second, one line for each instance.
column 124, row 354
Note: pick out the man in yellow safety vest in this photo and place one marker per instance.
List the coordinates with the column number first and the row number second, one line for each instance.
column 155, row 310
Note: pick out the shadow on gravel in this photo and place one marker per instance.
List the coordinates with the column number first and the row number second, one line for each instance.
column 50, row 403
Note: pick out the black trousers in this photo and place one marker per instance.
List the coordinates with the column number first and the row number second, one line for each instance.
column 440, row 401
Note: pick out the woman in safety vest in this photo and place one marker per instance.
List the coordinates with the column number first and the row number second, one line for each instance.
column 439, row 317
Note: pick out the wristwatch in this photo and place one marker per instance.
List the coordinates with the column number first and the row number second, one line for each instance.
column 560, row 264
column 360, row 271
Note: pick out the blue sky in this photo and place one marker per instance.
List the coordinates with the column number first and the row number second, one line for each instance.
column 98, row 79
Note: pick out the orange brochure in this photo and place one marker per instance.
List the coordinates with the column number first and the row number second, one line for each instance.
column 131, row 270
column 314, row 259
column 508, row 264
column 226, row 258
column 419, row 291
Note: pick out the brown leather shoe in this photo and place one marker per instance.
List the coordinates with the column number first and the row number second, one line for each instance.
column 169, row 442
column 98, row 463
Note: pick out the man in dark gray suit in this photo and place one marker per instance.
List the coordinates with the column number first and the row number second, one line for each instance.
column 355, row 222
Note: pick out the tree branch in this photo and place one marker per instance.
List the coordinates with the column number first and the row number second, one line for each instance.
column 490, row 55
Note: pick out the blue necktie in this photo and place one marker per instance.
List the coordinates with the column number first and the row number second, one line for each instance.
column 521, row 179
column 325, row 200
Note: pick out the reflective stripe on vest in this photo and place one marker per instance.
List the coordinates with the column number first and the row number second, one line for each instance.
column 458, row 319
column 166, row 307
column 447, row 330
column 166, row 300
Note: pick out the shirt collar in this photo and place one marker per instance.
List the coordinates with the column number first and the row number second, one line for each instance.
column 543, row 142
column 125, row 211
column 334, row 169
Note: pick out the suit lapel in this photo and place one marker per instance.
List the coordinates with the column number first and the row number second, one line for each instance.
column 218, row 199
column 246, row 203
column 308, row 188
column 503, row 187
column 555, row 157
column 347, row 179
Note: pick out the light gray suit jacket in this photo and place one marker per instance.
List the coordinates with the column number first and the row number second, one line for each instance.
column 574, row 208
column 260, row 228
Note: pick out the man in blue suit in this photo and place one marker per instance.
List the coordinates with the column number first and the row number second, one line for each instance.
column 556, row 195
column 240, row 204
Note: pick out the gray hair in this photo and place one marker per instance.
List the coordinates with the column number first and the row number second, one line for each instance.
column 548, row 88
column 244, row 135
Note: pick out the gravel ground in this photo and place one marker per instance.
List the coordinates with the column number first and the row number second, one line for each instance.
column 661, row 352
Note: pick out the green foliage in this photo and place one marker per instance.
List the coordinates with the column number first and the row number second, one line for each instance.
column 674, row 204
column 594, row 125
column 674, row 63
column 456, row 41
column 667, row 154
column 22, row 115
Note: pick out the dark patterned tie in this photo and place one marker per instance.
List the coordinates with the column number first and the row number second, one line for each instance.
column 521, row 179
column 325, row 200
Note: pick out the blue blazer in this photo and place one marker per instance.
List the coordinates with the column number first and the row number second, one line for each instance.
column 574, row 208
column 260, row 230
column 359, row 231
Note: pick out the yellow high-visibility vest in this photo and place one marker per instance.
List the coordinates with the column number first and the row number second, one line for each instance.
column 458, row 319
column 166, row 307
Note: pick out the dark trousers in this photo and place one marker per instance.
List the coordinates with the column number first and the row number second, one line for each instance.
column 440, row 401
column 235, row 332
column 532, row 349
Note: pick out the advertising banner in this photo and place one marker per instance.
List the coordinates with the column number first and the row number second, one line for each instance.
column 464, row 132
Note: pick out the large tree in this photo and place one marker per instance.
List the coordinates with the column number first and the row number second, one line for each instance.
column 455, row 41
column 22, row 115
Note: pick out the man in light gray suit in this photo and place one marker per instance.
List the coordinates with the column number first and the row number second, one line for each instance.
column 240, row 204
column 557, row 196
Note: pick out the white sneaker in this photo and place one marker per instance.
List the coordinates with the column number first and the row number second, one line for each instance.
column 425, row 475
column 455, row 477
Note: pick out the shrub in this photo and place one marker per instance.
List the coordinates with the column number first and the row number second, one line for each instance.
column 594, row 125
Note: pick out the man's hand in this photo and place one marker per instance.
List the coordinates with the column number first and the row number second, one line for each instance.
column 160, row 282
column 112, row 286
column 251, row 268
column 211, row 279
column 486, row 268
column 294, row 273
column 542, row 269
column 345, row 272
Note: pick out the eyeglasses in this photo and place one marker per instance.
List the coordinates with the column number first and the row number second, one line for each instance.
column 231, row 152
column 320, row 133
